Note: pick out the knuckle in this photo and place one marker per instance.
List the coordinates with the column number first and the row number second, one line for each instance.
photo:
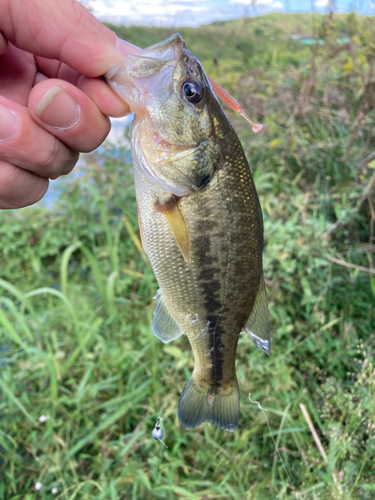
column 57, row 160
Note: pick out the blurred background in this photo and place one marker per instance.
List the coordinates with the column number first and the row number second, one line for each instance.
column 195, row 13
column 83, row 380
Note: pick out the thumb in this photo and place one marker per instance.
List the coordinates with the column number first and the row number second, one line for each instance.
column 63, row 30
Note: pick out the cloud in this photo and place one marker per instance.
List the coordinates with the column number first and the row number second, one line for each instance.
column 105, row 7
column 196, row 12
column 146, row 11
column 258, row 6
column 248, row 3
column 159, row 12
column 321, row 4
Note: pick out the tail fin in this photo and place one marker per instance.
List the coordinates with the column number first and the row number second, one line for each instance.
column 205, row 403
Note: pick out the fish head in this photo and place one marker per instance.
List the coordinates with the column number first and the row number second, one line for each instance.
column 178, row 120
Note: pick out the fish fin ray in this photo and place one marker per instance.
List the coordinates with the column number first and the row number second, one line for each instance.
column 178, row 227
column 201, row 403
column 141, row 230
column 164, row 325
column 258, row 324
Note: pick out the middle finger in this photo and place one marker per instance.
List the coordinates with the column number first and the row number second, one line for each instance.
column 29, row 146
column 69, row 114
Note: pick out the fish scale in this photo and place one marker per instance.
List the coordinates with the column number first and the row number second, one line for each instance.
column 201, row 225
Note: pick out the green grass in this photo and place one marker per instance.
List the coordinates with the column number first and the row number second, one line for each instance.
column 76, row 301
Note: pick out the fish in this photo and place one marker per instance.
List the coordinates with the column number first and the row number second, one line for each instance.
column 200, row 221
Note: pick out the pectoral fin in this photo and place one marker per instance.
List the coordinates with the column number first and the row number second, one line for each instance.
column 258, row 324
column 164, row 325
column 177, row 224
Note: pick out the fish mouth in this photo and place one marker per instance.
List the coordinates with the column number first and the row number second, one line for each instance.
column 148, row 61
column 154, row 72
column 148, row 72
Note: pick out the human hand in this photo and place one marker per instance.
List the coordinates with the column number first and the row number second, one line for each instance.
column 53, row 104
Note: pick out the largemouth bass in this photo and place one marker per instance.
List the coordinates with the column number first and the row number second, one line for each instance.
column 200, row 222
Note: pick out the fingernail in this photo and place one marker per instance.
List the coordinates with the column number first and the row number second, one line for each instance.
column 57, row 109
column 8, row 124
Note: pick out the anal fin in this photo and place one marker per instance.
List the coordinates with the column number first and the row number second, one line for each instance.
column 164, row 326
column 258, row 324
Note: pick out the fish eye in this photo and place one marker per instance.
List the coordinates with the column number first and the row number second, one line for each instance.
column 193, row 90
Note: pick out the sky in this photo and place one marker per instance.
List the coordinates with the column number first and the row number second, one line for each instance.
column 196, row 12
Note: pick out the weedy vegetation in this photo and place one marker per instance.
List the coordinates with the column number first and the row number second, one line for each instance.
column 76, row 298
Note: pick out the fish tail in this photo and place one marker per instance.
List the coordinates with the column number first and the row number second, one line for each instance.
column 219, row 405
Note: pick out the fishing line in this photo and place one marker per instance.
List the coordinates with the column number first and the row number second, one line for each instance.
column 263, row 410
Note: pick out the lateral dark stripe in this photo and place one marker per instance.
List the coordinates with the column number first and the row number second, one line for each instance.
column 209, row 281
